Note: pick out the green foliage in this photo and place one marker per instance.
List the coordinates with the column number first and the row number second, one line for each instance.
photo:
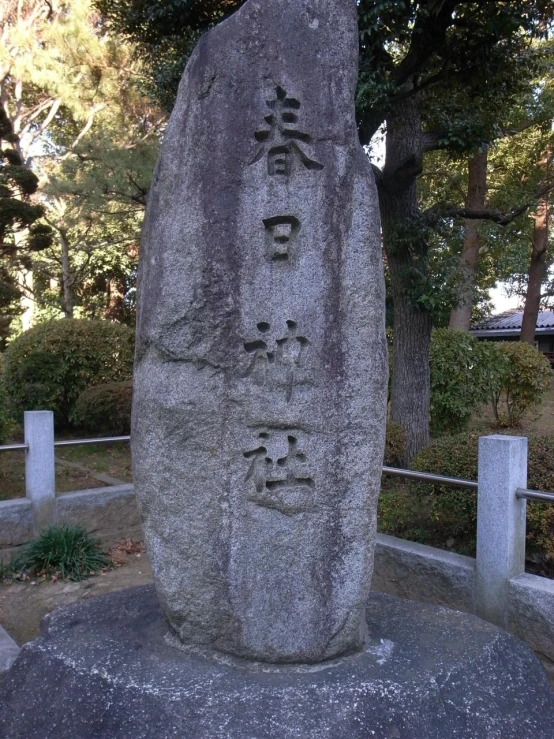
column 165, row 34
column 5, row 422
column 105, row 409
column 464, row 374
column 20, row 234
column 48, row 367
column 524, row 380
column 66, row 551
column 395, row 443
column 75, row 94
column 453, row 511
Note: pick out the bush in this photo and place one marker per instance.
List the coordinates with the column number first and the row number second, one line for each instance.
column 454, row 511
column 5, row 422
column 67, row 551
column 49, row 366
column 525, row 378
column 395, row 444
column 464, row 374
column 104, row 409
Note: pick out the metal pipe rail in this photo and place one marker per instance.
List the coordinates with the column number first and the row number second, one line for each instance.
column 103, row 440
column 455, row 482
column 535, row 495
column 66, row 442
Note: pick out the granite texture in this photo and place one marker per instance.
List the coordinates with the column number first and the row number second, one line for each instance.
column 501, row 520
column 109, row 513
column 406, row 569
column 260, row 375
column 531, row 611
column 40, row 473
column 16, row 522
column 9, row 651
column 110, row 667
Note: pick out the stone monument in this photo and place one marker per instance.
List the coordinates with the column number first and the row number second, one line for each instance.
column 258, row 430
column 261, row 369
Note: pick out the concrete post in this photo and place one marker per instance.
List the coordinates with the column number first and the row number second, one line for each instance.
column 40, row 481
column 500, row 523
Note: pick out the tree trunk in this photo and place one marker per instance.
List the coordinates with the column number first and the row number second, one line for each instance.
column 25, row 280
column 460, row 317
column 412, row 327
column 537, row 273
column 116, row 301
column 67, row 295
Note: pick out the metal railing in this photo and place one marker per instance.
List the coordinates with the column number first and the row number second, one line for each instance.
column 66, row 442
column 455, row 482
column 501, row 502
column 458, row 482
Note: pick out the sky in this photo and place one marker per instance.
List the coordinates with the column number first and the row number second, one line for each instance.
column 500, row 300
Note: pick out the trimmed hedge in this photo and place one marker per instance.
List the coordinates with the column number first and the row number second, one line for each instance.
column 105, row 409
column 395, row 444
column 49, row 366
column 453, row 512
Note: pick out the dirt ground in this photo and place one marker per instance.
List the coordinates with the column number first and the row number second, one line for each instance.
column 22, row 605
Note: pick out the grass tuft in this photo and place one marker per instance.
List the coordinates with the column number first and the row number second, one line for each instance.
column 64, row 551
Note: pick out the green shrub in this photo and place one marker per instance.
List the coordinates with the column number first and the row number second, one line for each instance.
column 525, row 378
column 65, row 550
column 464, row 374
column 453, row 511
column 104, row 409
column 5, row 422
column 48, row 367
column 395, row 444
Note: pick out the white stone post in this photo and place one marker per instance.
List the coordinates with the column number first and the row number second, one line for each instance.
column 500, row 523
column 40, row 481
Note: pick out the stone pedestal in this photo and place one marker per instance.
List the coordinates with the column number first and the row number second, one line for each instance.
column 111, row 668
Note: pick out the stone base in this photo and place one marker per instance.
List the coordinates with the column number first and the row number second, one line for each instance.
column 109, row 668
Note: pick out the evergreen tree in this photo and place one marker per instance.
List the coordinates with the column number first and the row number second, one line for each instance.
column 438, row 74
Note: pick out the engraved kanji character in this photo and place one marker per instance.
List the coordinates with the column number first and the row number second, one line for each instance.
column 282, row 140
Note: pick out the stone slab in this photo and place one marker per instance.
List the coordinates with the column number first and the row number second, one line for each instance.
column 409, row 570
column 111, row 667
column 9, row 651
column 16, row 522
column 259, row 396
column 108, row 513
column 531, row 611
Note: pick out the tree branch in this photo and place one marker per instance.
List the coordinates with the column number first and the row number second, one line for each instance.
column 46, row 122
column 446, row 210
column 86, row 128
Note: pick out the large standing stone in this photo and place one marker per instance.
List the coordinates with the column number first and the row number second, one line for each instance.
column 259, row 398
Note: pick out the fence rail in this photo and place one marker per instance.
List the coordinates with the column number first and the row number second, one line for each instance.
column 455, row 482
column 501, row 487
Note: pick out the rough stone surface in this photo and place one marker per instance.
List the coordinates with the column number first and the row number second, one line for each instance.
column 16, row 522
column 259, row 397
column 9, row 651
column 531, row 612
column 410, row 570
column 108, row 513
column 40, row 474
column 111, row 667
column 500, row 523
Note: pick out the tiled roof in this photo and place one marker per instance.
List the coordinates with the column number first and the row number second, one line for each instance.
column 510, row 322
